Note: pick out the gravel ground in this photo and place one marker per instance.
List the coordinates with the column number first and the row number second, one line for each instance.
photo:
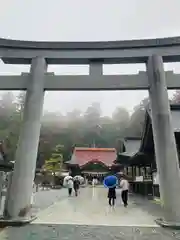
column 73, row 232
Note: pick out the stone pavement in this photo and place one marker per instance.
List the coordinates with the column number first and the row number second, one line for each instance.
column 89, row 217
column 91, row 208
column 43, row 199
column 46, row 198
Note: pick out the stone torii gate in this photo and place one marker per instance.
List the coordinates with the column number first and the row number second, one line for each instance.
column 152, row 52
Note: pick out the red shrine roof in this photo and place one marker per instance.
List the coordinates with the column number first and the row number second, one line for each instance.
column 83, row 156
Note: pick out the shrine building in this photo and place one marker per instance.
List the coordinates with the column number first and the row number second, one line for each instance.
column 93, row 162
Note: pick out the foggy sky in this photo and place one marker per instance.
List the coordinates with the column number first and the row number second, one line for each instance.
column 93, row 20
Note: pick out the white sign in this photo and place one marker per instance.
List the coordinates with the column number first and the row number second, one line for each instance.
column 139, row 179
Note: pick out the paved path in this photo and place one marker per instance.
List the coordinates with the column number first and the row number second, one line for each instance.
column 89, row 217
column 46, row 198
column 43, row 199
column 91, row 208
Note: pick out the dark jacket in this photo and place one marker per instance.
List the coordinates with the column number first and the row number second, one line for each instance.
column 76, row 184
column 112, row 193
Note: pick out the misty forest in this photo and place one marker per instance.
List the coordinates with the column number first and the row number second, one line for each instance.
column 74, row 129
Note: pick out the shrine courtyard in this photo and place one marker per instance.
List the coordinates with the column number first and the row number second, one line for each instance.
column 89, row 217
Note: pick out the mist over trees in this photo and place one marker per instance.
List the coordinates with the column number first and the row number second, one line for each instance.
column 74, row 129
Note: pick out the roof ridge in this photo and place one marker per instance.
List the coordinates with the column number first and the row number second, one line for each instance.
column 94, row 149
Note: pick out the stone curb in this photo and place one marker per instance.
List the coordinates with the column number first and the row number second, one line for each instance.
column 165, row 224
column 16, row 222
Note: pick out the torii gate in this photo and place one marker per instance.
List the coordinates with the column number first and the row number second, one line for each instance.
column 152, row 52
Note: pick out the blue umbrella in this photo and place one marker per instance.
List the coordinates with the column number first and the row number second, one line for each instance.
column 110, row 181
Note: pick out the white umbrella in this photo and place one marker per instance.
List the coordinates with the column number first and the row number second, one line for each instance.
column 79, row 178
column 66, row 179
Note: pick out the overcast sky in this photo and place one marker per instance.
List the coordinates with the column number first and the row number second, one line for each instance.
column 89, row 20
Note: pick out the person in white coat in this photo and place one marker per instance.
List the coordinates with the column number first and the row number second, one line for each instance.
column 70, row 185
column 93, row 182
column 124, row 191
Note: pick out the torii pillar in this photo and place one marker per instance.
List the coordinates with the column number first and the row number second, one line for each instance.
column 164, row 139
column 19, row 201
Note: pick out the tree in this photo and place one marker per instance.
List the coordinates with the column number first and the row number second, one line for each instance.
column 120, row 115
column 60, row 134
column 7, row 102
column 92, row 114
column 121, row 120
column 120, row 146
column 137, row 119
column 9, row 123
column 55, row 163
column 74, row 115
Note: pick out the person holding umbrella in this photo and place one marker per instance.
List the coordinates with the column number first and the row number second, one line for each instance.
column 112, row 196
column 110, row 182
column 68, row 182
column 76, row 184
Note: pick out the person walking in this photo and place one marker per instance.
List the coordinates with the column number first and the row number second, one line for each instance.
column 124, row 193
column 76, row 185
column 33, row 194
column 112, row 196
column 70, row 186
column 93, row 182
